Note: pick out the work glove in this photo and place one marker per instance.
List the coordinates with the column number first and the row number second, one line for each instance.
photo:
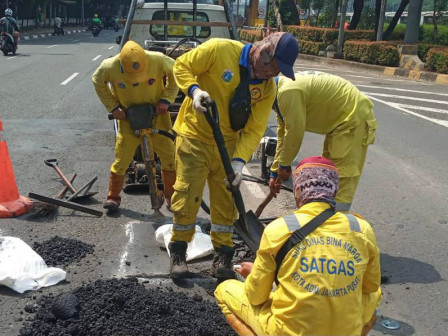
column 237, row 167
column 119, row 113
column 200, row 97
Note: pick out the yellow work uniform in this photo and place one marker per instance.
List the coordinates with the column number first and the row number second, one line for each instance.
column 322, row 103
column 329, row 284
column 115, row 90
column 214, row 67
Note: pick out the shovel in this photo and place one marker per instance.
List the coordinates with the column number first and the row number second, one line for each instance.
column 247, row 225
column 82, row 193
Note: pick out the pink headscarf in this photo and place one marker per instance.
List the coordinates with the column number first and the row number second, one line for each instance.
column 315, row 178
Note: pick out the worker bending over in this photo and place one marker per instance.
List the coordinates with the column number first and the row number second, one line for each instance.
column 326, row 104
column 328, row 280
column 134, row 77
column 238, row 78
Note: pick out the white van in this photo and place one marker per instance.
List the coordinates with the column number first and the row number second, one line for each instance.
column 171, row 22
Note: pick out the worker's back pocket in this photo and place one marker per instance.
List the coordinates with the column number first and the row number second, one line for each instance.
column 340, row 144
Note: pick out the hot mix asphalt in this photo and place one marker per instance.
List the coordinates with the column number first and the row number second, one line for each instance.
column 125, row 307
column 62, row 251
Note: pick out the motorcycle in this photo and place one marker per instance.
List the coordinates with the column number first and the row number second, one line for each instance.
column 7, row 44
column 58, row 30
column 95, row 31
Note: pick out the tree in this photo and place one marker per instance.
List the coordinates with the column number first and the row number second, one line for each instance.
column 358, row 5
column 439, row 7
column 395, row 19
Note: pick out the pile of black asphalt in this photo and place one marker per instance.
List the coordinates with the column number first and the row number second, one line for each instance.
column 58, row 251
column 118, row 307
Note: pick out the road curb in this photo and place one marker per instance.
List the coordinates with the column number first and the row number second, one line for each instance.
column 382, row 70
column 38, row 36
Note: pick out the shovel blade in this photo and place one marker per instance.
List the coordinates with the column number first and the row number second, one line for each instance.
column 252, row 235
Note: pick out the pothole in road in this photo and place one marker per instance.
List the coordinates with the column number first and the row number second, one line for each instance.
column 125, row 307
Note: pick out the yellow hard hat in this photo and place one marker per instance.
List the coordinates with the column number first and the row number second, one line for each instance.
column 134, row 62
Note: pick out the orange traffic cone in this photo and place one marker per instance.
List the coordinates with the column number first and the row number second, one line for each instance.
column 11, row 203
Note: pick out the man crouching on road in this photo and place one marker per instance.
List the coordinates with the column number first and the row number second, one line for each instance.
column 239, row 79
column 135, row 77
column 328, row 280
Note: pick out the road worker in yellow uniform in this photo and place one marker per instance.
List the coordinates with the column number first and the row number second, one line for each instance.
column 326, row 265
column 133, row 77
column 231, row 74
column 325, row 104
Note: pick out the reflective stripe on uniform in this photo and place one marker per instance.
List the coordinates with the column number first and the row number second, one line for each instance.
column 292, row 222
column 354, row 224
column 222, row 228
column 343, row 206
column 178, row 227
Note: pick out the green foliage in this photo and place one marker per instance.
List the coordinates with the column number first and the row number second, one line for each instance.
column 311, row 48
column 423, row 49
column 250, row 35
column 367, row 18
column 288, row 12
column 380, row 53
column 325, row 19
column 327, row 35
column 427, row 34
column 437, row 60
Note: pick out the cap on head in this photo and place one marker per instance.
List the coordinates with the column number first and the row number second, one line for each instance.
column 286, row 54
column 8, row 12
column 315, row 178
column 134, row 62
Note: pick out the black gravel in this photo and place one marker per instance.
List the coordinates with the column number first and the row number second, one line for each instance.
column 119, row 307
column 62, row 251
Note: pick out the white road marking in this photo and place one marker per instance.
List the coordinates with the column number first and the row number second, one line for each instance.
column 94, row 59
column 11, row 57
column 111, row 47
column 52, row 46
column 70, row 78
column 398, row 107
column 130, row 235
column 406, row 98
column 423, row 108
column 254, row 188
column 404, row 90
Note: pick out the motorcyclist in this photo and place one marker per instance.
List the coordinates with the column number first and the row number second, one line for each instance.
column 9, row 25
column 58, row 25
column 96, row 21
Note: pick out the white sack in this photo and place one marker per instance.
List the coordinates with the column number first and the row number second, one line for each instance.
column 200, row 245
column 22, row 269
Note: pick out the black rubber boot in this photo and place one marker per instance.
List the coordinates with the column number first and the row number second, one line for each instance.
column 178, row 263
column 222, row 263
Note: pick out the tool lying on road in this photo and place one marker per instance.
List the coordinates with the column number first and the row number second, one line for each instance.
column 65, row 204
column 44, row 209
column 82, row 193
column 247, row 225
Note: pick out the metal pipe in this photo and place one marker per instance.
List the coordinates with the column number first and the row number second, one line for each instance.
column 165, row 13
column 127, row 26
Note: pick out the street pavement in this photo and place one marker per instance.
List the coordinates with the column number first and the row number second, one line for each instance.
column 50, row 110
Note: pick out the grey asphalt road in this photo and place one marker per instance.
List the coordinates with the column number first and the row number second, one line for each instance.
column 49, row 112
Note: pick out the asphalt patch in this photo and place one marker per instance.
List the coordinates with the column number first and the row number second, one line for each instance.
column 59, row 251
column 118, row 307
